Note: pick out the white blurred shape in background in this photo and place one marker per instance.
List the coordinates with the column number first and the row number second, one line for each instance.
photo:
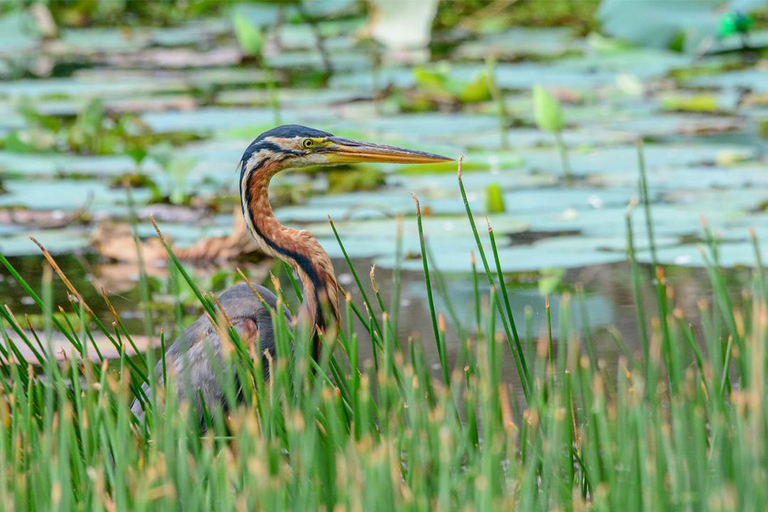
column 404, row 27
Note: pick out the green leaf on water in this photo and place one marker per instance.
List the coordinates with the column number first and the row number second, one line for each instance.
column 494, row 199
column 137, row 154
column 248, row 35
column 697, row 103
column 734, row 23
column 15, row 144
column 547, row 111
column 432, row 80
column 479, row 89
column 762, row 128
column 550, row 280
column 437, row 81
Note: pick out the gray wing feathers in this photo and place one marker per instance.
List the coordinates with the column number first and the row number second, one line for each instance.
column 199, row 353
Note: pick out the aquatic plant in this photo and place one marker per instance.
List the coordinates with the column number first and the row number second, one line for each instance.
column 549, row 118
column 251, row 40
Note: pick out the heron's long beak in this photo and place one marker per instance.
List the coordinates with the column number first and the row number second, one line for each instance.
column 353, row 151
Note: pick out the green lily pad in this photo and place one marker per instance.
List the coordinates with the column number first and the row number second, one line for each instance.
column 521, row 41
column 622, row 159
column 93, row 40
column 730, row 255
column 17, row 33
column 94, row 196
column 752, row 79
column 377, row 237
column 670, row 124
column 63, row 164
column 430, row 125
column 657, row 23
column 295, row 36
column 311, row 59
column 193, row 33
column 519, row 138
column 569, row 252
column 208, row 119
column 61, row 241
column 79, row 88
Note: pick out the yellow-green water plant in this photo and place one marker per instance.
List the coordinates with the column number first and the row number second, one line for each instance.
column 549, row 118
column 494, row 199
column 176, row 170
column 251, row 40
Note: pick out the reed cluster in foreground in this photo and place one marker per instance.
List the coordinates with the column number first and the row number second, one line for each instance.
column 679, row 425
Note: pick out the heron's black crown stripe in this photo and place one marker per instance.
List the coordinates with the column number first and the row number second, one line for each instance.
column 293, row 130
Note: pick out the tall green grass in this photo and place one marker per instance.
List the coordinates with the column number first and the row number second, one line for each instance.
column 679, row 425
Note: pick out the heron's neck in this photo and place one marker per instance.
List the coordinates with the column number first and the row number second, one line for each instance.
column 298, row 248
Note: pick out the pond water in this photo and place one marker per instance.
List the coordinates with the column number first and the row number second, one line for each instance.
column 188, row 92
column 600, row 304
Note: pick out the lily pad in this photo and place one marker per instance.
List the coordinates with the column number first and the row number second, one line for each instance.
column 752, row 79
column 521, row 41
column 69, row 196
column 63, row 164
column 77, row 88
column 665, row 125
column 432, row 125
column 622, row 159
column 730, row 255
column 93, row 40
column 17, row 33
column 312, row 59
column 569, row 252
column 56, row 241
column 208, row 119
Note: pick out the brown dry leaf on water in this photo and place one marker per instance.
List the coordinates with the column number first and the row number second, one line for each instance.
column 175, row 58
column 237, row 245
column 114, row 242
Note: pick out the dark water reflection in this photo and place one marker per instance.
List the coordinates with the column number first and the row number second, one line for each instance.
column 608, row 302
column 608, row 307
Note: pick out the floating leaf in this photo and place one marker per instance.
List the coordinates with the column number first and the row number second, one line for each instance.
column 432, row 80
column 725, row 158
column 630, row 85
column 697, row 103
column 494, row 199
column 437, row 81
column 550, row 280
column 249, row 36
column 478, row 89
column 734, row 23
column 659, row 22
column 762, row 128
column 546, row 111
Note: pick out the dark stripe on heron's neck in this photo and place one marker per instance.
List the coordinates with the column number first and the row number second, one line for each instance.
column 301, row 260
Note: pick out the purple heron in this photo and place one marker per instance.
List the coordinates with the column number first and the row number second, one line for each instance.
column 284, row 147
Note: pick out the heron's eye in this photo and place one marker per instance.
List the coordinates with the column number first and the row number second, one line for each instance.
column 308, row 143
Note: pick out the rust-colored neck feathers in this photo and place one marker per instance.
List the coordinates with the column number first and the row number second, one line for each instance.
column 298, row 248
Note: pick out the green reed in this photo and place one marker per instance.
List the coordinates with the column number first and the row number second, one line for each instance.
column 678, row 423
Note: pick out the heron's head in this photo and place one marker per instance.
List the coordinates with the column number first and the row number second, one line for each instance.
column 299, row 146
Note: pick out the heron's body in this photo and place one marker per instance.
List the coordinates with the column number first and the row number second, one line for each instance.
column 199, row 350
column 285, row 147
